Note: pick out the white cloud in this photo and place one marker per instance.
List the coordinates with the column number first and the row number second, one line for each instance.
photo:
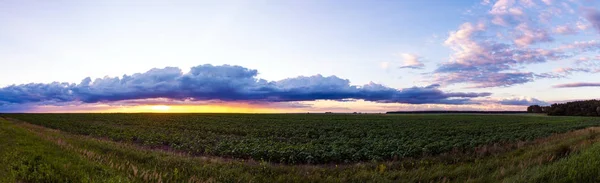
column 412, row 61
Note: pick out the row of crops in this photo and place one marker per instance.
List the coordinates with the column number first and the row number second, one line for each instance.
column 310, row 138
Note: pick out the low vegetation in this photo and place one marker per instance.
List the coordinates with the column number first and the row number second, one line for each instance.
column 34, row 153
column 28, row 158
column 310, row 139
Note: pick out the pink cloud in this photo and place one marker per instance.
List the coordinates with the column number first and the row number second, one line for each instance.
column 565, row 30
column 530, row 36
column 412, row 61
column 492, row 51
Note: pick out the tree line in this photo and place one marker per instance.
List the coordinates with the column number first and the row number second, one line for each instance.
column 575, row 108
column 454, row 112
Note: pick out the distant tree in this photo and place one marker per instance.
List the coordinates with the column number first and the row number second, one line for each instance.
column 534, row 109
column 598, row 110
column 545, row 109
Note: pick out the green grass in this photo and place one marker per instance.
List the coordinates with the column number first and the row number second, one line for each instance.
column 314, row 138
column 33, row 153
column 26, row 157
column 583, row 167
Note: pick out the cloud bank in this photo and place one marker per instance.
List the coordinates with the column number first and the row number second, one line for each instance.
column 222, row 83
column 523, row 101
column 576, row 85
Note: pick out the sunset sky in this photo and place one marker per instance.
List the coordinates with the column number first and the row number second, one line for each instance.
column 260, row 56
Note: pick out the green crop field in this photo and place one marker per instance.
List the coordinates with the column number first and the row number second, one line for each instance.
column 317, row 138
column 296, row 147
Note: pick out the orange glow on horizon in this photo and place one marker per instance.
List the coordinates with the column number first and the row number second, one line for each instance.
column 163, row 108
column 236, row 107
column 197, row 109
column 159, row 108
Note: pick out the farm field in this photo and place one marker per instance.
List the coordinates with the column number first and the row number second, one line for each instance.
column 297, row 148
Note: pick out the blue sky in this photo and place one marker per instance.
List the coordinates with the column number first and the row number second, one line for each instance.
column 508, row 53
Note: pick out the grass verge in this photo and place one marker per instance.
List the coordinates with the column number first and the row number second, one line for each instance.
column 25, row 157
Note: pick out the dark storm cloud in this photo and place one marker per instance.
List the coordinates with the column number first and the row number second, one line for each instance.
column 36, row 92
column 224, row 83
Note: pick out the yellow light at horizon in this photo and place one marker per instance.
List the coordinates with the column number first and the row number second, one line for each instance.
column 231, row 108
column 160, row 108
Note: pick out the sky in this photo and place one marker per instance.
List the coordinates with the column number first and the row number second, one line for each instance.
column 296, row 56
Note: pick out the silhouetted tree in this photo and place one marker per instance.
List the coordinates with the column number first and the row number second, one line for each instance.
column 534, row 109
column 545, row 109
column 576, row 108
